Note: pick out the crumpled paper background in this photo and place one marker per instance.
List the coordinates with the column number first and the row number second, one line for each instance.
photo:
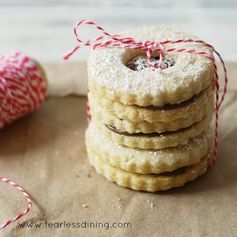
column 45, row 153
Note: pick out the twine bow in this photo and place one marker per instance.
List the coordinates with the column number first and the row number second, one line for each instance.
column 108, row 40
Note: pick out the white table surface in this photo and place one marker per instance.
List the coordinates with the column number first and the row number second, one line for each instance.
column 43, row 29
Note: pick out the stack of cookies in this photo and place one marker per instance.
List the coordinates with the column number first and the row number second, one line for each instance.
column 149, row 128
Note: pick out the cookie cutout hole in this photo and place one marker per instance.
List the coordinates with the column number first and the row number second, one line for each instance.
column 136, row 60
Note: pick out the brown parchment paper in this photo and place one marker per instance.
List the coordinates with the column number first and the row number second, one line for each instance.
column 45, row 153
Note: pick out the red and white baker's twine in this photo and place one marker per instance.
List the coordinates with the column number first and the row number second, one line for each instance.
column 22, row 89
column 108, row 40
column 27, row 197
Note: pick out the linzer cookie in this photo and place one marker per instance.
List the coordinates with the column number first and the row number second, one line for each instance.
column 148, row 182
column 151, row 100
column 156, row 140
column 145, row 161
column 110, row 74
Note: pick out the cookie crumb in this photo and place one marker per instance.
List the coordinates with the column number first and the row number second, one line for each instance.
column 85, row 205
column 118, row 206
column 152, row 205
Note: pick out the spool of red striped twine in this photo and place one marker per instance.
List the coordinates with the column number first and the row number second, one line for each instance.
column 23, row 88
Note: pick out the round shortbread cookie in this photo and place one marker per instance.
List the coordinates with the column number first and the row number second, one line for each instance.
column 138, row 114
column 107, row 117
column 148, row 182
column 145, row 161
column 158, row 141
column 110, row 77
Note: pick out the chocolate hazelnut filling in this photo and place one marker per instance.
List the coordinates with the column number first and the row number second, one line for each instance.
column 149, row 135
column 140, row 63
column 176, row 172
column 171, row 106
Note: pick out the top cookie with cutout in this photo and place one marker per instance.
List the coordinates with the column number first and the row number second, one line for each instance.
column 123, row 75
